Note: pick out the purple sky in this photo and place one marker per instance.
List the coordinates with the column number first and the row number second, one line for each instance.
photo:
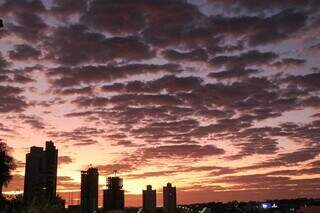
column 220, row 97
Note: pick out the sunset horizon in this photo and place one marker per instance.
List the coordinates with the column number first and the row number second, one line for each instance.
column 220, row 98
column 189, row 196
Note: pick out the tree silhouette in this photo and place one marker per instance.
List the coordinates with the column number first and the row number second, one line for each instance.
column 6, row 166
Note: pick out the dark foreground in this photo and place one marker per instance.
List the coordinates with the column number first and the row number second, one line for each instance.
column 300, row 205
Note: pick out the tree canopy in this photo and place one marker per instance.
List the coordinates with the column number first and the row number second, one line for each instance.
column 6, row 166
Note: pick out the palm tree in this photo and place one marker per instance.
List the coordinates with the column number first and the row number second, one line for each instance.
column 6, row 166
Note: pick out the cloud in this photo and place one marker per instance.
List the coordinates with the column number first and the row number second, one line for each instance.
column 151, row 174
column 4, row 128
column 237, row 73
column 213, row 113
column 256, row 145
column 168, row 83
column 64, row 8
column 308, row 81
column 289, row 62
column 278, row 27
column 72, row 76
column 254, row 179
column 251, row 58
column 254, row 6
column 126, row 115
column 299, row 156
column 261, row 30
column 29, row 27
column 3, row 63
column 64, row 43
column 65, row 160
column 74, row 91
column 315, row 47
column 20, row 165
column 9, row 90
column 180, row 21
column 315, row 163
column 10, row 101
column 126, row 143
column 180, row 151
column 129, row 100
column 82, row 136
column 194, row 55
column 24, row 52
column 9, row 75
column 308, row 132
column 286, row 159
column 21, row 78
column 34, row 121
column 258, row 182
column 166, row 129
column 16, row 6
column 228, row 95
column 108, row 169
column 296, row 172
column 114, row 16
column 66, row 182
column 16, row 184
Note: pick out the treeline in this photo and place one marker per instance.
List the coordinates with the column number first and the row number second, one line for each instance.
column 15, row 204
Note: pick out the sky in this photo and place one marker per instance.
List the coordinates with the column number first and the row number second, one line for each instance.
column 219, row 97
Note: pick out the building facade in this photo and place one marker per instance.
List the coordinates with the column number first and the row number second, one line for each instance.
column 89, row 190
column 113, row 196
column 169, row 199
column 149, row 200
column 40, row 179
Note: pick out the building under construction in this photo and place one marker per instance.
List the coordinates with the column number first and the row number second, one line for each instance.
column 113, row 196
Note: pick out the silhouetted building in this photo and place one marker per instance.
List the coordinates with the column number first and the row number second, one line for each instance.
column 149, row 200
column 113, row 196
column 169, row 199
column 89, row 190
column 40, row 179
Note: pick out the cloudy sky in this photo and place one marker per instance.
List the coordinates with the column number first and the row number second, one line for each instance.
column 219, row 97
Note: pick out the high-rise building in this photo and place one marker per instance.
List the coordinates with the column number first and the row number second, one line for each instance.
column 89, row 190
column 169, row 199
column 40, row 179
column 149, row 200
column 113, row 196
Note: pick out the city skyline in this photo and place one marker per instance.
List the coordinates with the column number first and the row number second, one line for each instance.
column 40, row 183
column 219, row 97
